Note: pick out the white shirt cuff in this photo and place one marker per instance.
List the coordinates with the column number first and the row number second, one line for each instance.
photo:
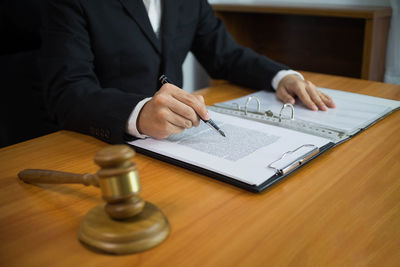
column 131, row 127
column 279, row 76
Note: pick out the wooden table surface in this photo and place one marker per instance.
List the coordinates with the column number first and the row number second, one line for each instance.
column 343, row 209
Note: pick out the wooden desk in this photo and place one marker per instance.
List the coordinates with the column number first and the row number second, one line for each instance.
column 334, row 39
column 343, row 209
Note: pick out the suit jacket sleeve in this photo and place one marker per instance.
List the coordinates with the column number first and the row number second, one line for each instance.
column 72, row 90
column 223, row 58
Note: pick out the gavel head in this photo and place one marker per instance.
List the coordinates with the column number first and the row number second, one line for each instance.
column 119, row 181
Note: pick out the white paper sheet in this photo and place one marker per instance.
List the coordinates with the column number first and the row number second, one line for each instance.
column 352, row 113
column 243, row 155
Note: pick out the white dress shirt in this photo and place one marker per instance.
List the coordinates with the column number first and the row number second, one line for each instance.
column 153, row 8
column 154, row 11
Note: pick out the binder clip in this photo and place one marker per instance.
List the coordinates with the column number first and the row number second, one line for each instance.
column 298, row 160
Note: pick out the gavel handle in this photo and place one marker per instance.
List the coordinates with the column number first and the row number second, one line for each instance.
column 56, row 177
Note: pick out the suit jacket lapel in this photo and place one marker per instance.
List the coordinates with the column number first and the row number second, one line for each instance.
column 138, row 12
column 170, row 15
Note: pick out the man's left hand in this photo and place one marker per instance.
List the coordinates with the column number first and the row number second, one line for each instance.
column 292, row 86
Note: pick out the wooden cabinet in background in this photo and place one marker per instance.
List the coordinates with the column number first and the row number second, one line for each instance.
column 333, row 39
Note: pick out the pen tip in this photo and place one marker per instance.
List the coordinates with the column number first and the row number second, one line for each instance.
column 222, row 133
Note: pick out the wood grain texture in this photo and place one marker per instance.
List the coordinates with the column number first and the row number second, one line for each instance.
column 34, row 176
column 326, row 44
column 343, row 209
column 132, row 235
column 374, row 52
column 334, row 39
column 308, row 9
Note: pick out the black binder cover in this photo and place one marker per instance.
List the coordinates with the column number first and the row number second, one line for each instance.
column 252, row 188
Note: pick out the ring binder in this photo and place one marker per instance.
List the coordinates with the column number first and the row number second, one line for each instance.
column 279, row 120
column 283, row 107
column 296, row 162
column 268, row 113
column 247, row 104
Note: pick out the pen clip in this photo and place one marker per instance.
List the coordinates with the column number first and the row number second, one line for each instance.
column 163, row 79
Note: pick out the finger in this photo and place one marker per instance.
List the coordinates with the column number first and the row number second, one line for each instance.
column 171, row 96
column 170, row 123
column 283, row 95
column 315, row 96
column 194, row 102
column 179, row 121
column 175, row 112
column 165, row 128
column 200, row 98
column 167, row 131
column 186, row 114
column 327, row 100
column 154, row 120
column 173, row 129
column 169, row 109
column 300, row 91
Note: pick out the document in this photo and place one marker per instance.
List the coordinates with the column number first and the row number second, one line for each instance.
column 352, row 113
column 264, row 143
column 244, row 154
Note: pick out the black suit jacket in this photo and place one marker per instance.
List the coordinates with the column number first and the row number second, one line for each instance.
column 101, row 57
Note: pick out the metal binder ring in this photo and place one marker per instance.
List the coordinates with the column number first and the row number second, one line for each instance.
column 283, row 107
column 248, row 101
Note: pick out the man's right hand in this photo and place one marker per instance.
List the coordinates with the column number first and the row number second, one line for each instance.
column 170, row 111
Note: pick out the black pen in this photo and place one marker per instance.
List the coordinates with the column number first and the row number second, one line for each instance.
column 163, row 79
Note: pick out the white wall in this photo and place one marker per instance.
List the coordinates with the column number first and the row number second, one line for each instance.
column 194, row 75
column 392, row 73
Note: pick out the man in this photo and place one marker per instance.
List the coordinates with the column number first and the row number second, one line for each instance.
column 102, row 58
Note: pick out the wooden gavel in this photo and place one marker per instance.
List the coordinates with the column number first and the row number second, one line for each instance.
column 127, row 223
column 118, row 179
